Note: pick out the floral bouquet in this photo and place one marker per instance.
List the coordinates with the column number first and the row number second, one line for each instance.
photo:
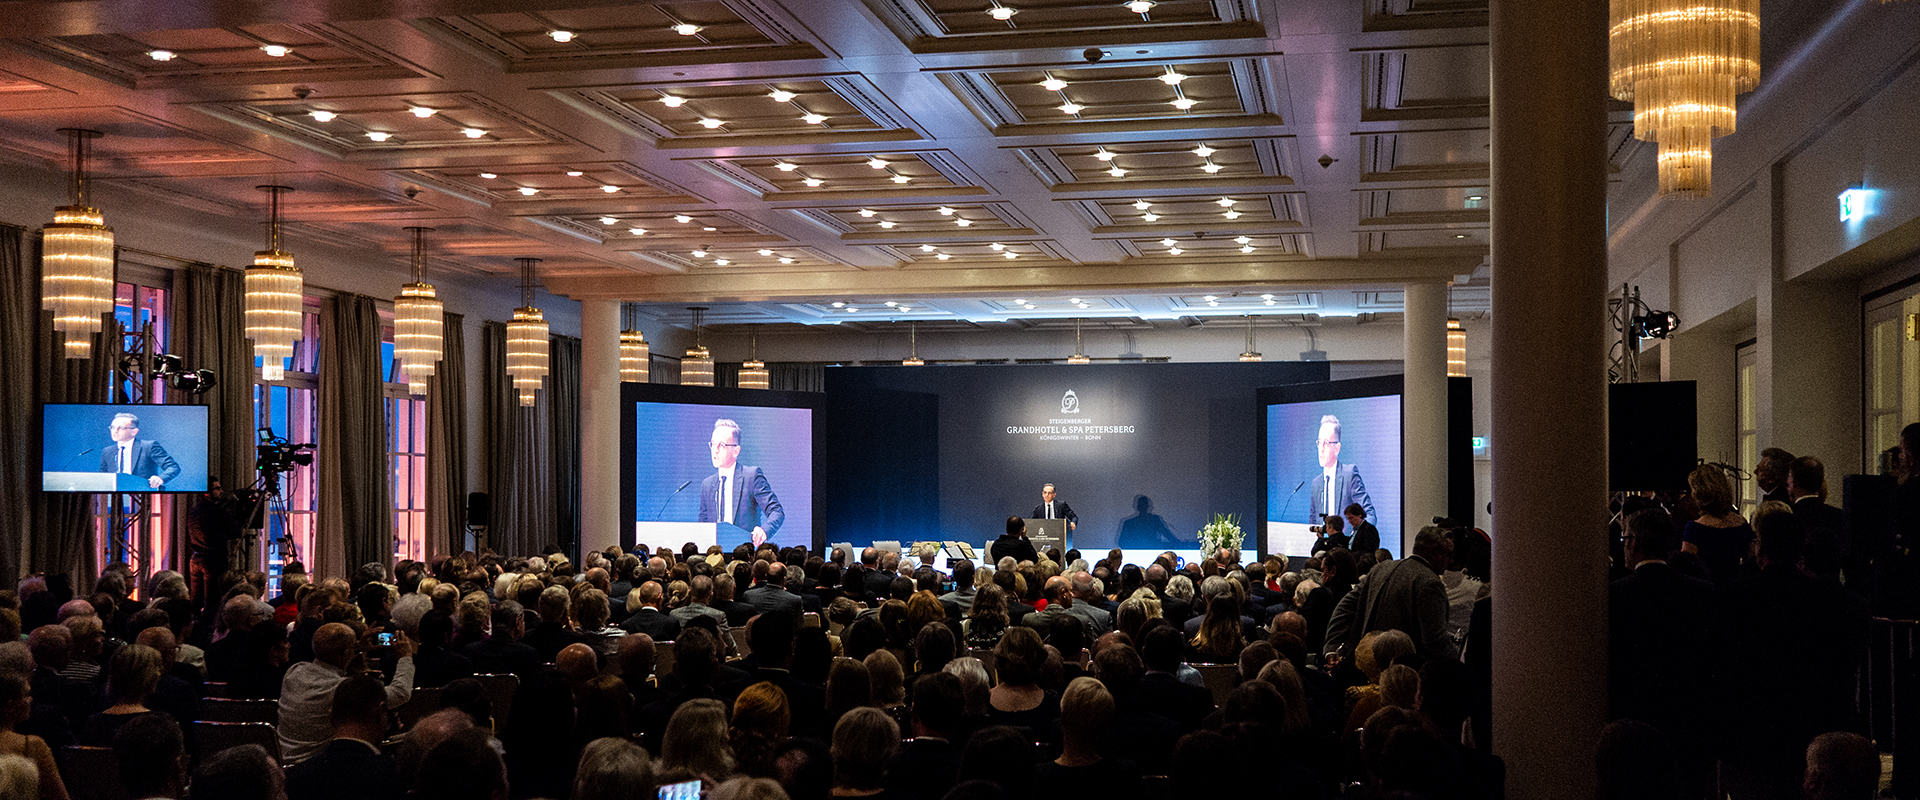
column 1223, row 531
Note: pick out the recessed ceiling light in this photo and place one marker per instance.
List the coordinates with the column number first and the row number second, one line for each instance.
column 422, row 111
column 1166, row 242
column 1183, row 103
column 765, row 252
column 529, row 191
column 276, row 50
column 1459, row 236
column 1266, row 297
column 904, row 308
column 963, row 222
column 1084, row 305
column 473, row 133
column 892, row 303
column 1232, row 215
column 721, row 261
column 699, row 254
column 322, row 116
column 784, row 166
column 1203, row 151
column 926, row 248
column 997, row 246
column 1140, row 6
column 812, row 182
column 1002, row 13
column 1074, row 300
column 813, row 119
column 945, row 211
column 851, row 310
column 637, row 231
column 710, row 123
column 1117, row 172
column 609, row 188
column 608, row 220
column 1103, row 155
column 1476, row 197
column 839, row 304
column 1269, row 302
column 886, row 223
column 1011, row 254
column 1246, row 248
column 1071, row 108
column 489, row 175
column 1150, row 217
column 561, row 36
column 1142, row 205
column 1242, row 239
column 876, row 163
column 1031, row 306
column 1210, row 298
column 1224, row 202
column 781, row 95
column 900, row 179
column 686, row 29
column 944, row 256
column 673, row 101
column 1211, row 168
column 867, row 212
column 160, row 55
column 786, row 260
column 379, row 136
column 1053, row 84
column 682, row 218
column 709, row 229
column 1172, row 78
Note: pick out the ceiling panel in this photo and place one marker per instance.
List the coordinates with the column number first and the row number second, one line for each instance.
column 566, row 181
column 1134, row 96
column 219, row 56
column 1196, row 163
column 370, row 125
column 1426, row 155
column 784, row 177
column 828, row 109
column 131, row 143
column 632, row 34
column 947, row 25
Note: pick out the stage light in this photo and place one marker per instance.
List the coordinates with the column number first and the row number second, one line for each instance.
column 1655, row 324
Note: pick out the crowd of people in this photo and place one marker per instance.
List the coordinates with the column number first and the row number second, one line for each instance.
column 782, row 672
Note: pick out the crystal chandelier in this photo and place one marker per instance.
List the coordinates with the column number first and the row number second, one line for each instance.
column 636, row 356
column 696, row 368
column 753, row 372
column 1079, row 353
column 527, row 339
column 1456, row 348
column 274, row 285
column 1249, row 355
column 419, row 322
column 1681, row 62
column 76, row 259
column 913, row 358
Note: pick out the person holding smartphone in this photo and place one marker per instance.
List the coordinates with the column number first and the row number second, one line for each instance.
column 306, row 693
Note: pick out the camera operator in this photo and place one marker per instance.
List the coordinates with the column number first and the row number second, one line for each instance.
column 212, row 526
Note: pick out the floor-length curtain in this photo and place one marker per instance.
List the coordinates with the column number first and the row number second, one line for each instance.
column 519, row 471
column 447, row 443
column 796, row 377
column 356, row 511
column 42, row 532
column 209, row 332
column 563, row 390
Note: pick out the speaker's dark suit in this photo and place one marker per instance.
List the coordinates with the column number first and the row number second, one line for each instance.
column 1060, row 511
column 756, row 506
column 149, row 459
column 1348, row 489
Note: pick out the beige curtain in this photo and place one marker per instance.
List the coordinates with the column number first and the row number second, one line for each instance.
column 519, row 469
column 209, row 332
column 563, row 406
column 447, row 444
column 45, row 533
column 356, row 508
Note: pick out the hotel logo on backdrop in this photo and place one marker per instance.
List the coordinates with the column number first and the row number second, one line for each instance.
column 1072, row 426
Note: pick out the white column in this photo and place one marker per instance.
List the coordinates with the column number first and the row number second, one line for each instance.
column 1549, row 91
column 600, row 517
column 1424, row 403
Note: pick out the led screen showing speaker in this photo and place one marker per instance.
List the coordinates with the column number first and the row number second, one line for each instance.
column 1325, row 455
column 718, row 473
column 123, row 448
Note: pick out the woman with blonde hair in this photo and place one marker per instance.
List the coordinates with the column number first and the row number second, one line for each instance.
column 1720, row 536
column 131, row 677
column 695, row 744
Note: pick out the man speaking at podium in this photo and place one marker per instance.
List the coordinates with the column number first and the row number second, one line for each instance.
column 1337, row 485
column 1050, row 508
column 135, row 456
column 735, row 494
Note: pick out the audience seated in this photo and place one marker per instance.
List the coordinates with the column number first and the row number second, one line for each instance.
column 351, row 766
column 306, row 694
column 239, row 773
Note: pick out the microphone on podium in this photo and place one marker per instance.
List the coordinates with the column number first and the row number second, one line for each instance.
column 1283, row 507
column 663, row 504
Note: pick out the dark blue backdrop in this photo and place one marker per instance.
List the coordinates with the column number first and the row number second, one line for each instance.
column 1153, row 450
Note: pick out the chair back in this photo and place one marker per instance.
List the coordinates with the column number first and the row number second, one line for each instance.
column 662, row 658
column 499, row 689
column 986, row 660
column 1219, row 680
column 223, row 709
column 422, row 703
column 213, row 689
column 91, row 773
column 212, row 738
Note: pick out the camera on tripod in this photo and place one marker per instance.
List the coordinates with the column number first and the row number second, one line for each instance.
column 274, row 454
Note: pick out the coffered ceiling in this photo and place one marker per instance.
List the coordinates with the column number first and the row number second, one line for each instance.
column 969, row 159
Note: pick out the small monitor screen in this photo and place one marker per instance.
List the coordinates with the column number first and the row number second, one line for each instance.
column 123, row 448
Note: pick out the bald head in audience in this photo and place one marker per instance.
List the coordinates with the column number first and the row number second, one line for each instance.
column 578, row 663
column 636, row 657
column 1842, row 766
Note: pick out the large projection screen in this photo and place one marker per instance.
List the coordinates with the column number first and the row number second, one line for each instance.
column 1349, row 430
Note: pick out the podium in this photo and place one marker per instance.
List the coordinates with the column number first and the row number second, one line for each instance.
column 1045, row 533
column 105, row 482
column 703, row 534
column 1290, row 538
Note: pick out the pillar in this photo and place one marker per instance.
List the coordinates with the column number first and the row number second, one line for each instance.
column 1424, row 403
column 600, row 517
column 1549, row 90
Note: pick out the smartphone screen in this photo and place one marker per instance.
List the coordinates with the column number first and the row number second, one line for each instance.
column 688, row 790
column 385, row 639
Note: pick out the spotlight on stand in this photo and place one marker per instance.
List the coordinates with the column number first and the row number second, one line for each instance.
column 199, row 381
column 1655, row 324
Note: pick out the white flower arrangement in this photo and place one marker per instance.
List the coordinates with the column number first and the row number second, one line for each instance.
column 1223, row 531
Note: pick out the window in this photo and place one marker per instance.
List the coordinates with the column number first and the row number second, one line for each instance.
column 406, row 456
column 1746, row 359
column 290, row 407
column 1892, row 396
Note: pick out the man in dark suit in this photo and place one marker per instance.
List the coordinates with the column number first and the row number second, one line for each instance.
column 738, row 495
column 1337, row 485
column 886, row 567
column 1136, row 732
column 1824, row 525
column 132, row 455
column 1014, row 543
column 1051, row 508
column 696, row 657
column 771, row 638
column 503, row 653
column 724, row 599
column 926, row 764
column 1657, row 620
column 1366, row 537
column 649, row 618
column 1163, row 648
column 1404, row 595
column 351, row 766
column 769, row 592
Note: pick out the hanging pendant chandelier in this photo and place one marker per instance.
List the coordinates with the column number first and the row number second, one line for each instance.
column 1456, row 348
column 76, row 258
column 527, row 339
column 696, row 368
column 1250, row 355
column 913, row 346
column 1079, row 353
column 636, row 356
column 419, row 323
column 753, row 372
column 274, row 311
column 1681, row 62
